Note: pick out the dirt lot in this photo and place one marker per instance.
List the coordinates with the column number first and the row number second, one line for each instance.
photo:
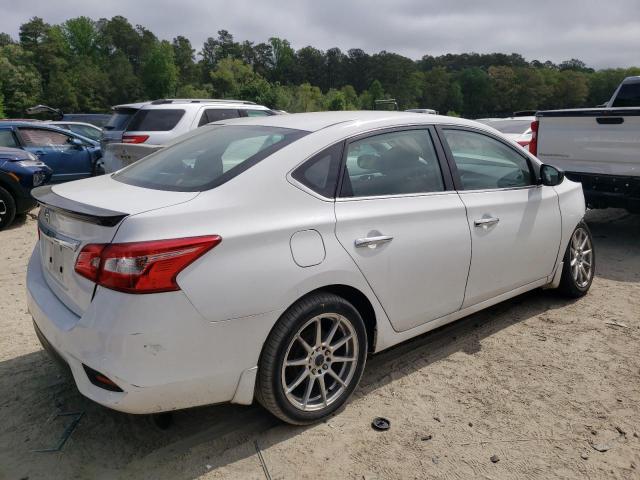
column 538, row 381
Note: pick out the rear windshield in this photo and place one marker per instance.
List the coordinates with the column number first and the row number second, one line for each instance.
column 160, row 120
column 208, row 159
column 628, row 96
column 119, row 119
column 509, row 126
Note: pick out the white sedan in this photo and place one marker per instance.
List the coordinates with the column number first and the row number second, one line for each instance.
column 267, row 257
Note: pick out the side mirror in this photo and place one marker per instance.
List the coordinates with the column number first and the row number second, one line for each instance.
column 76, row 142
column 551, row 176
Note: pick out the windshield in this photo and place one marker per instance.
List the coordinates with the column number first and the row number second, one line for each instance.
column 208, row 159
column 508, row 126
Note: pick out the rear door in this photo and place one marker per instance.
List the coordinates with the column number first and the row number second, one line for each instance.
column 403, row 225
column 68, row 162
column 515, row 223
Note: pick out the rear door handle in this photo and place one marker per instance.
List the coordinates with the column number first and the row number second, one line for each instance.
column 486, row 222
column 372, row 242
column 610, row 120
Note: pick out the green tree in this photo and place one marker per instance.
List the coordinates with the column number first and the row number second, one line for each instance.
column 21, row 84
column 159, row 72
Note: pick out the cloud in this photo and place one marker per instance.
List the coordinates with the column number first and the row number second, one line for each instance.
column 543, row 30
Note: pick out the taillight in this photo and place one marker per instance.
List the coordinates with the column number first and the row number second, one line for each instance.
column 533, row 144
column 142, row 267
column 134, row 138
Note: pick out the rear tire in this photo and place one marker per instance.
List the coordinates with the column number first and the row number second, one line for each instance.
column 7, row 208
column 579, row 263
column 323, row 341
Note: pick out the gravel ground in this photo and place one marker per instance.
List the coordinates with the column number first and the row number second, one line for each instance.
column 539, row 382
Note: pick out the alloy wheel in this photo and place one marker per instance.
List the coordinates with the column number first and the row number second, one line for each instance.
column 320, row 362
column 581, row 257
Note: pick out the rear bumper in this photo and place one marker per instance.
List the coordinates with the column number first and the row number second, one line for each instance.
column 156, row 348
column 602, row 191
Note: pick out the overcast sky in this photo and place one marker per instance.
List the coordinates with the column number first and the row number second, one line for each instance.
column 601, row 33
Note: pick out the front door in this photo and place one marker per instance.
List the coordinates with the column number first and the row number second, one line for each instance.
column 406, row 232
column 515, row 223
column 68, row 162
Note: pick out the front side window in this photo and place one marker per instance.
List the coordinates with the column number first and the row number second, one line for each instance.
column 39, row 137
column 7, row 139
column 155, row 120
column 486, row 163
column 257, row 113
column 208, row 158
column 392, row 164
column 217, row 114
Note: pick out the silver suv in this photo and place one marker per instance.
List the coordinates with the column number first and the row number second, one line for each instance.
column 160, row 121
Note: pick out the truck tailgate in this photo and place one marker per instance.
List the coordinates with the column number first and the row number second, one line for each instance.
column 591, row 141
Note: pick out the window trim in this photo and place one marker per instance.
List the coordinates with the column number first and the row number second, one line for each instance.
column 445, row 172
column 534, row 169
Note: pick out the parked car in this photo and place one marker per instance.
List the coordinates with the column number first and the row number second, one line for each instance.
column 69, row 155
column 96, row 119
column 269, row 256
column 20, row 171
column 159, row 121
column 598, row 147
column 81, row 128
column 517, row 129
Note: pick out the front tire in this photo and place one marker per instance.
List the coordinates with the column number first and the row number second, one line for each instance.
column 579, row 263
column 7, row 209
column 312, row 360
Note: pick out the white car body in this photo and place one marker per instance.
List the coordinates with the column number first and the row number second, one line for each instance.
column 194, row 115
column 517, row 129
column 281, row 240
column 598, row 147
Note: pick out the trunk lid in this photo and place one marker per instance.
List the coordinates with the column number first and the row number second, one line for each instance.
column 75, row 214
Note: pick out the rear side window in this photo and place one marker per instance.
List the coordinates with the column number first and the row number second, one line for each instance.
column 7, row 139
column 207, row 159
column 395, row 163
column 120, row 118
column 628, row 96
column 217, row 114
column 157, row 120
column 320, row 173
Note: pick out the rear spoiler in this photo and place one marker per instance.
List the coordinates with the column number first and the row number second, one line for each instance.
column 80, row 211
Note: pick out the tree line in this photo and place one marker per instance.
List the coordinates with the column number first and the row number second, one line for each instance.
column 83, row 65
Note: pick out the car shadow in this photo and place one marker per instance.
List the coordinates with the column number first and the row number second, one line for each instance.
column 34, row 390
column 616, row 235
column 39, row 390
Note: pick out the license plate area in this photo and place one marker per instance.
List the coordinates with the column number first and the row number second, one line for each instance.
column 57, row 255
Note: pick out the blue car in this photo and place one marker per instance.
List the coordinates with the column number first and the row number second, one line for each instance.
column 69, row 155
column 20, row 171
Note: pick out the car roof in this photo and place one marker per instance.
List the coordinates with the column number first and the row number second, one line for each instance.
column 63, row 122
column 362, row 120
column 198, row 102
column 510, row 119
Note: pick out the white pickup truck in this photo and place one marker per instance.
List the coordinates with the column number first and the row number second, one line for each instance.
column 599, row 147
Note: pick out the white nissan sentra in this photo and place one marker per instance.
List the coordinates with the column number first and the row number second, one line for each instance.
column 267, row 257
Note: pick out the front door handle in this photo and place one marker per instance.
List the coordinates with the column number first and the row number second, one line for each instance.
column 486, row 222
column 372, row 242
column 39, row 153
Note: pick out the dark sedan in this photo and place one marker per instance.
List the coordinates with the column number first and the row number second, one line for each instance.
column 20, row 171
